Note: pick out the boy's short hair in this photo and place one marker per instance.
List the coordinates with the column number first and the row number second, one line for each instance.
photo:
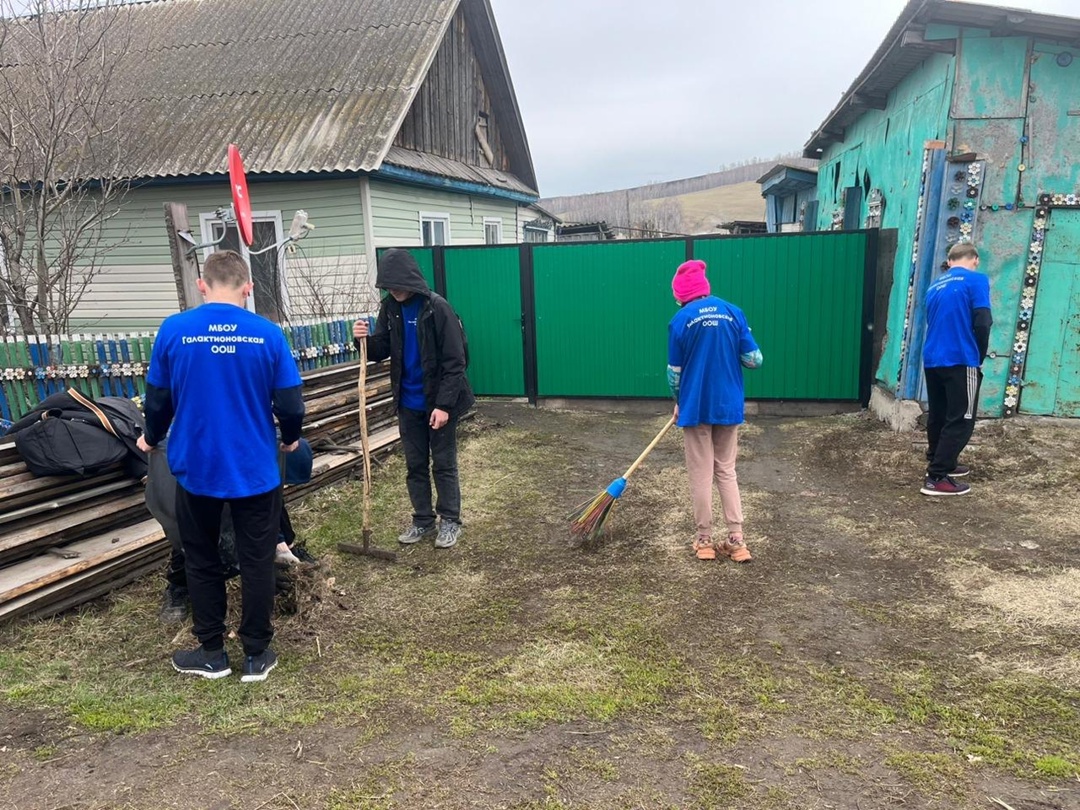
column 226, row 268
column 962, row 251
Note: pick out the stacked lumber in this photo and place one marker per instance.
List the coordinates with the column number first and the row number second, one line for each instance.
column 66, row 540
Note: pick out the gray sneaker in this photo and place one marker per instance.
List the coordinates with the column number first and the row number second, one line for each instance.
column 449, row 532
column 415, row 534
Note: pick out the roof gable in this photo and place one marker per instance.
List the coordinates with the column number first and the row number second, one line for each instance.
column 907, row 45
column 316, row 86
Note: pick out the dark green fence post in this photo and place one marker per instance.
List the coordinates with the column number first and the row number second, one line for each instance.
column 528, row 323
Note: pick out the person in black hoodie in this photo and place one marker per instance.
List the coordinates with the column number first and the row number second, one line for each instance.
column 421, row 334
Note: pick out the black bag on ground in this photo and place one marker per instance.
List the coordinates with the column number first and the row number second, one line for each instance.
column 69, row 434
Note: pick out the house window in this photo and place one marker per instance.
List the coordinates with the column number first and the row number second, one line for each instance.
column 492, row 231
column 270, row 298
column 536, row 234
column 434, row 229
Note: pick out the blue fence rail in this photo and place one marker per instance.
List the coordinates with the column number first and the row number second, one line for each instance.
column 115, row 365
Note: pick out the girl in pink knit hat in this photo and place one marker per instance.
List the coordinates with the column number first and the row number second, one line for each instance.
column 709, row 344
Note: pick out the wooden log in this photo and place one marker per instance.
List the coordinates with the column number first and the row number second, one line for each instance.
column 97, row 516
column 87, row 585
column 24, row 577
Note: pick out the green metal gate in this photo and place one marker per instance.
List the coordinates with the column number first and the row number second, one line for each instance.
column 484, row 285
column 590, row 319
column 805, row 297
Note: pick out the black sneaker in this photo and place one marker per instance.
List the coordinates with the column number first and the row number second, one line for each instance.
column 257, row 667
column 944, row 486
column 414, row 534
column 205, row 663
column 303, row 555
column 174, row 605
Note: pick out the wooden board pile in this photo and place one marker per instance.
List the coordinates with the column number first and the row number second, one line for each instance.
column 67, row 540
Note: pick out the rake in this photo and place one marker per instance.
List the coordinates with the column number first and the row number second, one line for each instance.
column 366, row 550
column 587, row 521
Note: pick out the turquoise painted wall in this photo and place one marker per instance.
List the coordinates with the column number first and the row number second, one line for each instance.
column 1008, row 100
column 884, row 149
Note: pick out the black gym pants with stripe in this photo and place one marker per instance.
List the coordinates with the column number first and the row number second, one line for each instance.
column 952, row 393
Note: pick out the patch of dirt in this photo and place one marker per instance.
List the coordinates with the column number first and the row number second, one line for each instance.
column 882, row 650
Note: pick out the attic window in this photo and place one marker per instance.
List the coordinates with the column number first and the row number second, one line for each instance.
column 481, row 137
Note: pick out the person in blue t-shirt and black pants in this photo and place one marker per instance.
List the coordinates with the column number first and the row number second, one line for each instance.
column 958, row 325
column 709, row 344
column 421, row 334
column 219, row 374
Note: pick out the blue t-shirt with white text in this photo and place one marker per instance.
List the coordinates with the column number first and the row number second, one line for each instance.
column 951, row 302
column 706, row 339
column 412, row 368
column 221, row 365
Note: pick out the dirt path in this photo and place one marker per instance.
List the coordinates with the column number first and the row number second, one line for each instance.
column 883, row 650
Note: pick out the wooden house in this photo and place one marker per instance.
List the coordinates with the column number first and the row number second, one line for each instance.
column 390, row 122
column 965, row 126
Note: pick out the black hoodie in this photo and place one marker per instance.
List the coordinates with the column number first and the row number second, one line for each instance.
column 442, row 343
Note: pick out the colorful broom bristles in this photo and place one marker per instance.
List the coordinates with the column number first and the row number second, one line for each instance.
column 587, row 521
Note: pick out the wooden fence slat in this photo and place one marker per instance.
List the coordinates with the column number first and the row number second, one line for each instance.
column 115, row 364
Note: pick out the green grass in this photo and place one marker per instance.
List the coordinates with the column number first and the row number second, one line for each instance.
column 514, row 636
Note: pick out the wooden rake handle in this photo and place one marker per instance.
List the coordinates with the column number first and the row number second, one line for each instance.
column 652, row 445
column 364, row 443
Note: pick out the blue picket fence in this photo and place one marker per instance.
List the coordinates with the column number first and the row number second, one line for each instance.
column 115, row 365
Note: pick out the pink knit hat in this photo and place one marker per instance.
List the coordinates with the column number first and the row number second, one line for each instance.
column 690, row 282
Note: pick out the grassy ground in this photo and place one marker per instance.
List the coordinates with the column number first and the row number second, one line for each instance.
column 882, row 650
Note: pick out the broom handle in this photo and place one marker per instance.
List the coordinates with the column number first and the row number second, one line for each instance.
column 364, row 444
column 649, row 449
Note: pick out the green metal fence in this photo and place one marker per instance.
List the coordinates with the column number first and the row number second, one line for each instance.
column 566, row 320
column 590, row 319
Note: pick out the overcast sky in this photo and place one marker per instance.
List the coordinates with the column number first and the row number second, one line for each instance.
column 619, row 93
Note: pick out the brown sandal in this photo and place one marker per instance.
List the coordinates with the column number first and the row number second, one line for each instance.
column 704, row 548
column 734, row 548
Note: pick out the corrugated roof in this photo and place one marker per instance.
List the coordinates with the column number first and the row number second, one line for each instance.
column 312, row 86
column 904, row 49
column 299, row 87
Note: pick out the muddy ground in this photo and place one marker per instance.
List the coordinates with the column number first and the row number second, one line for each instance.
column 882, row 650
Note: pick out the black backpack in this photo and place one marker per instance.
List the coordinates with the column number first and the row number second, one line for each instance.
column 69, row 434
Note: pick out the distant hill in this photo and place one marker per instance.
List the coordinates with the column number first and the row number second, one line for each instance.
column 691, row 205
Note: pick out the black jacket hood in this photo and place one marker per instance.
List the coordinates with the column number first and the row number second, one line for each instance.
column 398, row 270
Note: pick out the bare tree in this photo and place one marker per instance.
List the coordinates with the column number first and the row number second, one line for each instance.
column 328, row 288
column 660, row 218
column 61, row 177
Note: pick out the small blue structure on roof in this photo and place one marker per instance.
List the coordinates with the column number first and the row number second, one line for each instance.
column 790, row 194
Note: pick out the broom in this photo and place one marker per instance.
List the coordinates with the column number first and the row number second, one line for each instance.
column 587, row 521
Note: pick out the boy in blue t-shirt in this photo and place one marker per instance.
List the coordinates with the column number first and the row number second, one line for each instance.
column 958, row 325
column 709, row 344
column 219, row 374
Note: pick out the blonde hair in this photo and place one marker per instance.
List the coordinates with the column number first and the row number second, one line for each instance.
column 226, row 268
column 962, row 251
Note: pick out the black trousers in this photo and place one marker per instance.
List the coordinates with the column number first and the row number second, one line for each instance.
column 952, row 393
column 430, row 453
column 256, row 521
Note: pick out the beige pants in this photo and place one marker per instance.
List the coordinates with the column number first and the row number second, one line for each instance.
column 710, row 456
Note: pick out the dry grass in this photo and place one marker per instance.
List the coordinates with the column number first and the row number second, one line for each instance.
column 1043, row 598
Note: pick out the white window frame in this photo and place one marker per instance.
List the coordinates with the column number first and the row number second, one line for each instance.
column 206, row 226
column 434, row 216
column 526, row 229
column 496, row 221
